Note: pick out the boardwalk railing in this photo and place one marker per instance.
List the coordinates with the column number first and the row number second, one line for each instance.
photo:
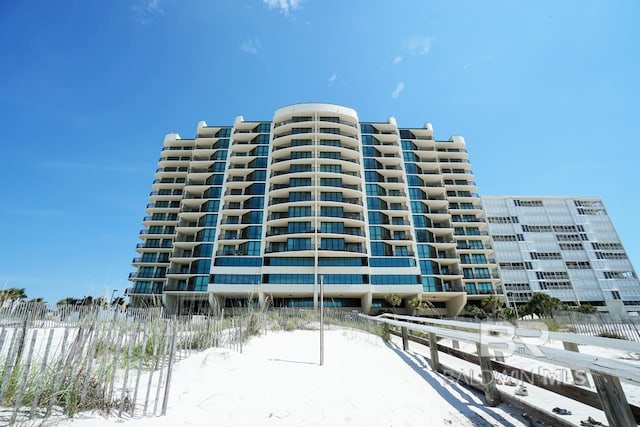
column 492, row 340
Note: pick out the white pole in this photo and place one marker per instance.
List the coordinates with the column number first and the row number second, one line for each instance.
column 321, row 320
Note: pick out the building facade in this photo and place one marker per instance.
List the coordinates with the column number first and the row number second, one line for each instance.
column 265, row 212
column 566, row 247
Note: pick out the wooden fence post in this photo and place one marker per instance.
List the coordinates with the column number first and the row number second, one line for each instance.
column 405, row 338
column 172, row 350
column 490, row 390
column 433, row 349
column 613, row 400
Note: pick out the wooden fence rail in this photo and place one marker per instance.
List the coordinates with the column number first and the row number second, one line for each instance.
column 492, row 338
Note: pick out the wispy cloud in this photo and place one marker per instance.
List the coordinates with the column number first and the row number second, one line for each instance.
column 397, row 59
column 419, row 45
column 145, row 11
column 398, row 90
column 94, row 166
column 333, row 78
column 283, row 5
column 251, row 46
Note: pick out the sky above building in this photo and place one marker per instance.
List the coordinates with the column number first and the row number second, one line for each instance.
column 544, row 92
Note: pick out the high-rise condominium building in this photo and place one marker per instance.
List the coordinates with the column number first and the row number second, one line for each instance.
column 266, row 212
column 566, row 247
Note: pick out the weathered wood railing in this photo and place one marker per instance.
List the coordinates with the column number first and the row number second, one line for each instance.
column 493, row 339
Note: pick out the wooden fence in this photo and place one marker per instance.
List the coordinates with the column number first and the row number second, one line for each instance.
column 491, row 339
column 65, row 361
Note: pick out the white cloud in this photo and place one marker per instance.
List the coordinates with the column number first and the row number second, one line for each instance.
column 419, row 45
column 332, row 79
column 251, row 46
column 397, row 59
column 398, row 90
column 145, row 11
column 283, row 5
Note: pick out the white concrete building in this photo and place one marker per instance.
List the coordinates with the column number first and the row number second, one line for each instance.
column 566, row 247
column 265, row 211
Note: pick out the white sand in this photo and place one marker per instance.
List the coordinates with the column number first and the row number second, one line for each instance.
column 278, row 381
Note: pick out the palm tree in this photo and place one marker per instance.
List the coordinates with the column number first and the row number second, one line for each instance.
column 543, row 305
column 68, row 301
column 393, row 299
column 491, row 304
column 13, row 294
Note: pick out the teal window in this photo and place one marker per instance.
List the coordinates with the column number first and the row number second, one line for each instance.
column 330, row 155
column 392, row 262
column 235, row 279
column 298, row 244
column 381, row 249
column 332, row 227
column 254, row 217
column 301, row 155
column 331, row 211
column 299, row 182
column 332, row 244
column 331, row 168
column 299, row 211
column 299, row 168
column 376, row 203
column 299, row 227
column 299, row 196
column 330, row 182
column 394, row 279
column 289, row 279
column 331, row 196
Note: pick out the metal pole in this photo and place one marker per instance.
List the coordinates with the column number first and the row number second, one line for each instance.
column 321, row 320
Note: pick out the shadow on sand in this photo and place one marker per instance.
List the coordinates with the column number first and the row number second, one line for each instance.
column 481, row 416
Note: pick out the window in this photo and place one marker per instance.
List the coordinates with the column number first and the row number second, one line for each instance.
column 615, row 246
column 571, row 246
column 332, row 244
column 330, row 155
column 376, row 203
column 298, row 244
column 299, row 182
column 331, row 168
column 299, row 196
column 330, row 182
column 619, row 275
column 514, row 265
column 395, row 279
column 299, row 227
column 289, row 279
column 381, row 249
column 332, row 227
column 503, row 219
column 555, row 285
column 578, row 265
column 331, row 211
column 331, row 196
column 611, row 255
column 537, row 228
column 552, row 275
column 299, row 168
column 301, row 155
column 235, row 279
column 545, row 255
column 299, row 211
column 529, row 203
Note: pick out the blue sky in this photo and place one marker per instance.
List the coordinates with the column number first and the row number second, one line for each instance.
column 545, row 93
